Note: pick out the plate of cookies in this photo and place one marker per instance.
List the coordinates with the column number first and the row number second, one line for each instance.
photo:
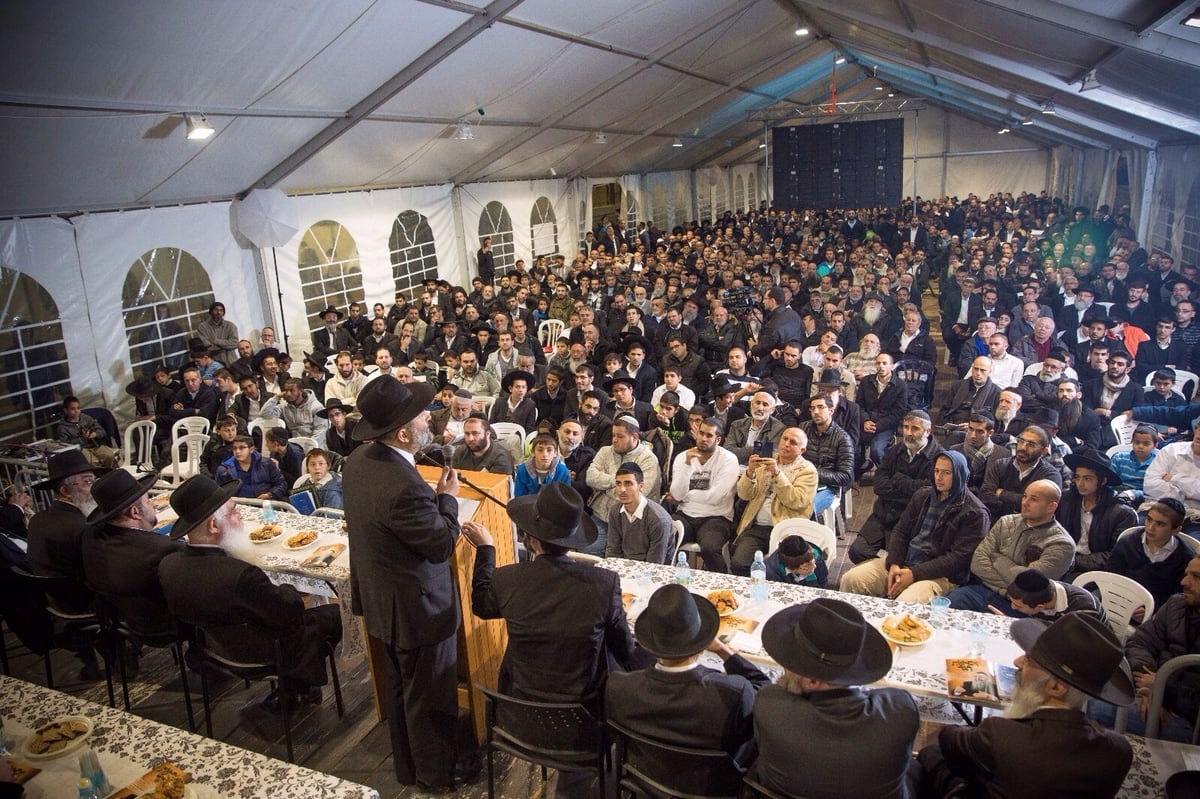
column 60, row 737
column 301, row 540
column 906, row 630
column 265, row 533
column 725, row 601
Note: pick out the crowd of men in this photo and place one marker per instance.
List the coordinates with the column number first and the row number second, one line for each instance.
column 728, row 377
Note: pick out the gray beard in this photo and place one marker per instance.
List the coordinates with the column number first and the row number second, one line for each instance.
column 871, row 315
column 1025, row 700
column 1004, row 416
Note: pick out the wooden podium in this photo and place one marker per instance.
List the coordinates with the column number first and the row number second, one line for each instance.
column 481, row 642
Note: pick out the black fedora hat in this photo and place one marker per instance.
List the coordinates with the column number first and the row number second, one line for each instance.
column 555, row 515
column 386, row 404
column 827, row 640
column 517, row 374
column 676, row 623
column 141, row 387
column 258, row 357
column 619, row 376
column 116, row 491
column 722, row 385
column 329, row 309
column 334, row 404
column 1091, row 459
column 1080, row 650
column 198, row 498
column 65, row 464
column 634, row 339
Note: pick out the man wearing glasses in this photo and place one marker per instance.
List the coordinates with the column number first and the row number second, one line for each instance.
column 1007, row 478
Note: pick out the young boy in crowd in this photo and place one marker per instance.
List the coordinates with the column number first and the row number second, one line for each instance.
column 797, row 562
column 1131, row 466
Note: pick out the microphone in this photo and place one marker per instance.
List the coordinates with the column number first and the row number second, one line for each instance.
column 448, row 454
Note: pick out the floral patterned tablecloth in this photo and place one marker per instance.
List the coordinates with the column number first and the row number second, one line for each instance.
column 128, row 746
column 920, row 669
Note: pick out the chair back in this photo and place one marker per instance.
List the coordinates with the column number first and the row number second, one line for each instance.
column 1186, row 383
column 1192, row 542
column 190, row 425
column 279, row 505
column 656, row 768
column 1036, row 366
column 816, row 534
column 919, row 376
column 262, row 426
column 138, row 446
column 306, row 443
column 185, row 456
column 1120, row 597
column 547, row 333
column 1118, row 448
column 511, row 436
column 329, row 513
column 677, row 533
column 1158, row 690
column 483, row 404
column 554, row 734
column 108, row 424
column 1122, row 430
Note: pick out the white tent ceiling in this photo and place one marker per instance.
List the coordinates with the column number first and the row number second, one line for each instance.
column 311, row 96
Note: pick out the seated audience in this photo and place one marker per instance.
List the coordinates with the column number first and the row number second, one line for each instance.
column 830, row 450
column 678, row 701
column 1091, row 512
column 1175, row 473
column 979, row 449
column 479, row 451
column 703, row 479
column 576, row 456
column 975, row 393
column 1007, row 478
column 220, row 444
column 797, row 562
column 856, row 742
column 1032, row 593
column 1153, row 555
column 883, row 399
column 638, row 528
column 541, row 467
column 288, row 456
column 625, row 445
column 339, row 438
column 77, row 428
column 513, row 405
column 325, row 484
column 260, row 477
column 744, row 435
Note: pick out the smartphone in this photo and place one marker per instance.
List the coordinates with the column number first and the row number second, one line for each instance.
column 764, row 449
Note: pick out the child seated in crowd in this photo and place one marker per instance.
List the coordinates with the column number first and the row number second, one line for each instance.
column 797, row 562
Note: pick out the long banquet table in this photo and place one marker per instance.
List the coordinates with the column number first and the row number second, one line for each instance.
column 918, row 669
column 128, row 746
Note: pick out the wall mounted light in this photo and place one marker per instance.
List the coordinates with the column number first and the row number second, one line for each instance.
column 198, row 128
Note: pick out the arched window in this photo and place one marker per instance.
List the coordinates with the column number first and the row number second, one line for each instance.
column 739, row 194
column 166, row 295
column 720, row 200
column 495, row 222
column 330, row 273
column 36, row 374
column 543, row 228
column 412, row 251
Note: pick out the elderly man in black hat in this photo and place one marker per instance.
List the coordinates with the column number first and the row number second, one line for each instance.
column 1043, row 745
column 566, row 623
column 855, row 742
column 332, row 338
column 121, row 551
column 236, row 604
column 402, row 534
column 679, row 701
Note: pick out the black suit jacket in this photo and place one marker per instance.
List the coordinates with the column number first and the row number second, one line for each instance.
column 56, row 550
column 121, row 564
column 401, row 538
column 342, row 340
column 700, row 708
column 240, row 610
column 566, row 624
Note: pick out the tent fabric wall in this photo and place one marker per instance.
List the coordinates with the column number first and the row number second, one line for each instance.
column 519, row 198
column 1178, row 173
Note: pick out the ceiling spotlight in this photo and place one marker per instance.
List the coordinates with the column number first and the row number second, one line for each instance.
column 552, row 172
column 677, row 143
column 762, row 146
column 1049, row 108
column 463, row 131
column 1193, row 20
column 1004, row 130
column 1089, row 82
column 198, row 127
column 801, row 28
column 891, row 93
column 1028, row 120
column 879, row 88
column 840, row 60
column 600, row 138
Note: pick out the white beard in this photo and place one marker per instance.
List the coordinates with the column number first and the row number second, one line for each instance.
column 872, row 315
column 1026, row 698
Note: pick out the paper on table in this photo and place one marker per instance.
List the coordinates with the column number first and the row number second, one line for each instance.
column 747, row 643
column 1191, row 760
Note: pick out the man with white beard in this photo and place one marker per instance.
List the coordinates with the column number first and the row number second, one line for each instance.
column 862, row 363
column 873, row 318
column 1044, row 742
column 1009, row 419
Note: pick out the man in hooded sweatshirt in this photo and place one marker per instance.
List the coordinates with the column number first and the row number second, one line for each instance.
column 929, row 549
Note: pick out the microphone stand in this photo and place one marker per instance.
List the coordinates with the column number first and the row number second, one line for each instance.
column 425, row 457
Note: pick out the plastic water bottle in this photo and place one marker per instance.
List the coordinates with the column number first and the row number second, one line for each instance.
column 758, row 578
column 86, row 791
column 683, row 574
column 268, row 512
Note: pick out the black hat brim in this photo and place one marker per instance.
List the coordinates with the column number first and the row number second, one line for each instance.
column 523, row 513
column 656, row 643
column 139, row 488
column 1119, row 688
column 420, row 395
column 873, row 662
column 189, row 521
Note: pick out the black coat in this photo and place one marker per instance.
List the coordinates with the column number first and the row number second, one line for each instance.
column 1110, row 518
column 897, row 479
column 885, row 408
column 961, row 527
column 56, row 550
column 121, row 564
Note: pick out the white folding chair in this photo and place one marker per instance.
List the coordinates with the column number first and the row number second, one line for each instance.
column 263, row 425
column 189, row 425
column 483, row 404
column 547, row 333
column 824, row 538
column 677, row 534
column 185, row 456
column 1122, row 429
column 1186, row 383
column 1120, row 597
column 138, row 445
column 329, row 513
column 1192, row 542
column 1118, row 448
column 306, row 443
column 511, row 436
column 1159, row 689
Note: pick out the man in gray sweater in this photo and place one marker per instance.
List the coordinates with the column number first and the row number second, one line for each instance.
column 638, row 528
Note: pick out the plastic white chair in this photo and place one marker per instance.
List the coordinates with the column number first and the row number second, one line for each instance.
column 511, row 436
column 329, row 513
column 189, row 425
column 263, row 425
column 138, row 445
column 280, row 505
column 306, row 443
column 1122, row 429
column 483, row 404
column 1120, row 597
column 1118, row 448
column 185, row 456
column 1192, row 542
column 548, row 333
column 677, row 535
column 817, row 534
column 1183, row 379
column 1158, row 690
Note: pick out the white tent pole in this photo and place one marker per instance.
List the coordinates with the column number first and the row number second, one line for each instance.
column 1143, row 225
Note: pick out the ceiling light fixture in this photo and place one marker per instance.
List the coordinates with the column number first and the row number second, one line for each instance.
column 198, row 128
column 1192, row 20
column 840, row 60
column 677, row 143
column 1089, row 82
column 463, row 131
column 1028, row 120
column 600, row 138
column 801, row 28
column 1004, row 129
column 1049, row 108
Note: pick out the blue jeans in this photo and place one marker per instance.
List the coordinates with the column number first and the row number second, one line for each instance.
column 879, row 443
column 1176, row 728
column 977, row 598
column 597, row 546
column 824, row 498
